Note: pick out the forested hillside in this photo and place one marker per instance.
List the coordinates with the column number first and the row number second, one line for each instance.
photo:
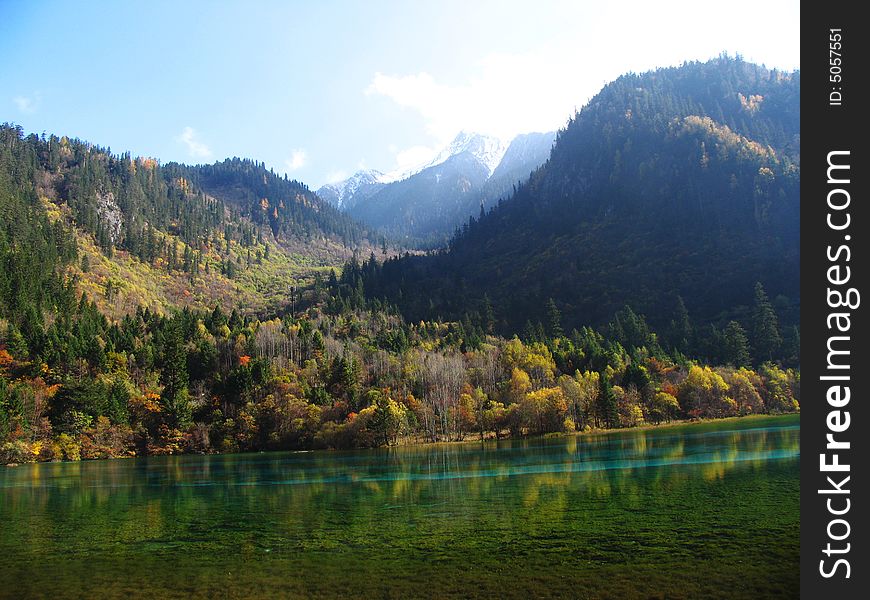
column 673, row 191
column 649, row 270
column 338, row 376
column 167, row 236
column 284, row 205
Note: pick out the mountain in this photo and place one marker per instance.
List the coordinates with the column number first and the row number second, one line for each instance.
column 346, row 194
column 486, row 149
column 677, row 183
column 525, row 153
column 130, row 231
column 287, row 207
column 425, row 204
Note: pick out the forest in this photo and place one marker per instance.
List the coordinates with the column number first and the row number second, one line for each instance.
column 682, row 181
column 344, row 374
column 157, row 309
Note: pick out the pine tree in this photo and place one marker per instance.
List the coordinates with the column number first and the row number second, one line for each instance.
column 681, row 328
column 606, row 409
column 766, row 339
column 791, row 349
column 554, row 318
column 735, row 345
column 488, row 315
column 175, row 399
column 529, row 333
column 16, row 343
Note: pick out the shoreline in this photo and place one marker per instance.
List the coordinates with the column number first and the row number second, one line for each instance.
column 558, row 435
column 469, row 440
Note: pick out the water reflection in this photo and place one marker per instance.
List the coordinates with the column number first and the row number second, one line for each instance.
column 522, row 496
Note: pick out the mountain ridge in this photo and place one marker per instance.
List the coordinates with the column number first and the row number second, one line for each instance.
column 665, row 184
column 429, row 201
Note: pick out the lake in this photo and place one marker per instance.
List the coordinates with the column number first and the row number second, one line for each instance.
column 691, row 511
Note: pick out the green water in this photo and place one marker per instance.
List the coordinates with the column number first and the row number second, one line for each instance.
column 696, row 511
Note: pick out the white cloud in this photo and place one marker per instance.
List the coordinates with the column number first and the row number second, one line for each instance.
column 27, row 105
column 336, row 175
column 195, row 148
column 509, row 94
column 538, row 89
column 414, row 156
column 298, row 159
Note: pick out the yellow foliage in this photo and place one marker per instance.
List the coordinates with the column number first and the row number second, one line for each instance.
column 520, row 382
column 726, row 140
column 535, row 359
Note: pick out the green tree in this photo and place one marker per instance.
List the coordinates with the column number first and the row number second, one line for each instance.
column 680, row 328
column 388, row 419
column 663, row 407
column 607, row 410
column 16, row 343
column 488, row 315
column 554, row 319
column 766, row 339
column 175, row 399
column 735, row 344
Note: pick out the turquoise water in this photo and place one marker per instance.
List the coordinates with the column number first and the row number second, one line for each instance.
column 706, row 510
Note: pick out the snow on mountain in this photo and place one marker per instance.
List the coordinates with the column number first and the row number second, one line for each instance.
column 488, row 150
column 525, row 152
column 428, row 201
column 345, row 194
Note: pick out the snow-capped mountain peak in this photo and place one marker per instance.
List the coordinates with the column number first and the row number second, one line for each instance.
column 487, row 149
column 341, row 193
column 473, row 169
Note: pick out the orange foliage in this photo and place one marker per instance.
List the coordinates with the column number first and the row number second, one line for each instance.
column 669, row 388
column 148, row 163
column 148, row 403
column 6, row 359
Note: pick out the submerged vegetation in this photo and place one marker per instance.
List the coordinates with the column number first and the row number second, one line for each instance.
column 703, row 510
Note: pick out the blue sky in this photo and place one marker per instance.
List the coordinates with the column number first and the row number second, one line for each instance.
column 321, row 89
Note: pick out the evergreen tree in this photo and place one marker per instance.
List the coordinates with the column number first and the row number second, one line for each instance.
column 791, row 350
column 606, row 410
column 175, row 399
column 529, row 333
column 766, row 339
column 680, row 335
column 16, row 343
column 735, row 344
column 488, row 315
column 554, row 318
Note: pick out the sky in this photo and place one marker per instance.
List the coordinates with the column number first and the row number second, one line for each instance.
column 321, row 89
